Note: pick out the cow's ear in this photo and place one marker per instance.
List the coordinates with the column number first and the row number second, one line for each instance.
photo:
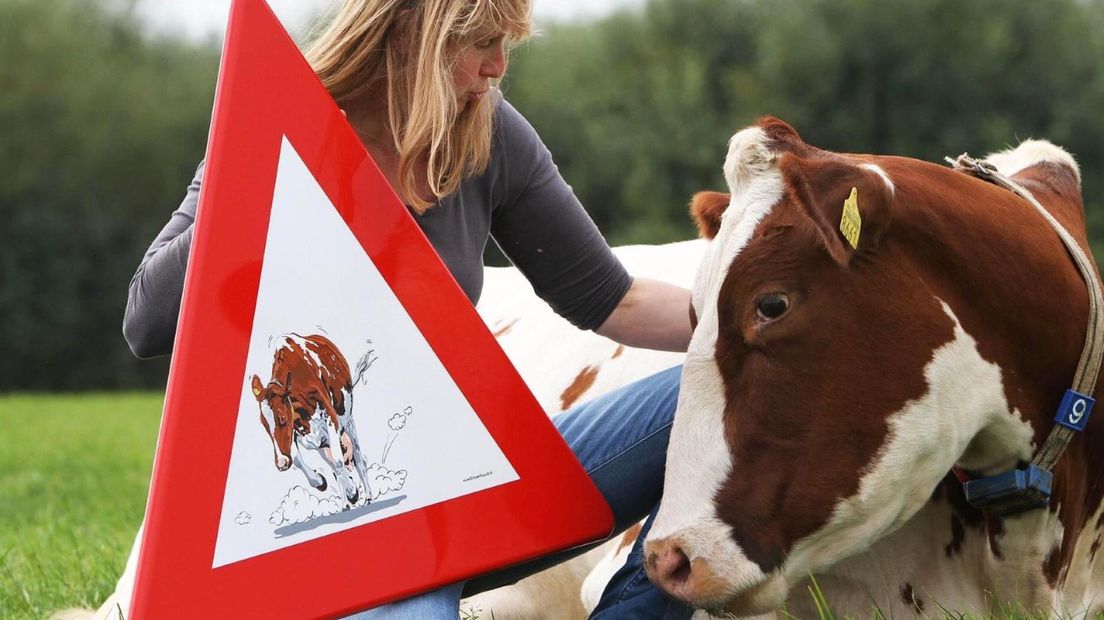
column 847, row 202
column 707, row 208
column 258, row 388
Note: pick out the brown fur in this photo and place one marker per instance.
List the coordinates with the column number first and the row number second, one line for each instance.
column 299, row 386
column 808, row 395
column 706, row 208
column 578, row 387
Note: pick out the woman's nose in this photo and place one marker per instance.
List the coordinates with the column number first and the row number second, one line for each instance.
column 494, row 66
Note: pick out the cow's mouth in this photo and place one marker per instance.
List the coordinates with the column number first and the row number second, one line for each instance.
column 762, row 598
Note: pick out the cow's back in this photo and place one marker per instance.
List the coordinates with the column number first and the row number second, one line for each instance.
column 333, row 369
column 564, row 366
column 561, row 364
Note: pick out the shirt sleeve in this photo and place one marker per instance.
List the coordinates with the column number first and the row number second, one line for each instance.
column 153, row 301
column 541, row 227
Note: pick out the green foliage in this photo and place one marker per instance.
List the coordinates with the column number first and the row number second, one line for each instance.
column 637, row 108
column 71, row 507
column 102, row 129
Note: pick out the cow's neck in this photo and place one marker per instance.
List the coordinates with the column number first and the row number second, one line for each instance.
column 954, row 554
column 1018, row 294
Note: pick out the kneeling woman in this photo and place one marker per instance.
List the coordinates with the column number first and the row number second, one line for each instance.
column 418, row 81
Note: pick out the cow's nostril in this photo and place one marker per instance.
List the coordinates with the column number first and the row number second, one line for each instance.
column 668, row 566
column 681, row 571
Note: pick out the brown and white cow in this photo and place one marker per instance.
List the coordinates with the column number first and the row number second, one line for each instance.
column 829, row 389
column 308, row 404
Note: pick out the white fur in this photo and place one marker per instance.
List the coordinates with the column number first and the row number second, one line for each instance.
column 875, row 168
column 1031, row 152
column 698, row 459
column 1082, row 590
column 965, row 396
column 616, row 553
column 549, row 353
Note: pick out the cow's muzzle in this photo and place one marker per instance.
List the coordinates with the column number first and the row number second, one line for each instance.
column 695, row 580
column 282, row 462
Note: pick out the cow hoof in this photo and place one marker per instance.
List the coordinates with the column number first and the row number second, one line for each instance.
column 322, row 486
column 354, row 498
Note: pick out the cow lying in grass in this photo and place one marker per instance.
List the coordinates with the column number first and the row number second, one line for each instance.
column 833, row 384
column 834, row 395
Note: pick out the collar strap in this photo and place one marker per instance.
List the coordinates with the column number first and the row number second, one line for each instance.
column 1027, row 488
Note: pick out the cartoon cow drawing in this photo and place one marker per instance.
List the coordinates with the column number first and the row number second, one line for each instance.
column 309, row 402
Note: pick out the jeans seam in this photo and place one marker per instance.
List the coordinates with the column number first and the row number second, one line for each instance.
column 634, row 444
column 627, row 589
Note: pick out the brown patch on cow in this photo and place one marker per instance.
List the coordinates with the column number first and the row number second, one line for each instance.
column 617, row 353
column 1053, row 567
column 799, row 469
column 706, row 209
column 578, row 387
column 944, row 235
column 910, row 598
column 784, row 138
column 628, row 539
column 958, row 534
column 502, row 331
column 820, row 188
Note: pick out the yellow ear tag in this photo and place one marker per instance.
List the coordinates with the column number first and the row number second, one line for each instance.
column 851, row 222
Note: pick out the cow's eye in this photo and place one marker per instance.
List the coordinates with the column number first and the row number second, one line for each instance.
column 772, row 305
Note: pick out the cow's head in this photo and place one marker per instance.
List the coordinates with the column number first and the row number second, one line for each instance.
column 828, row 388
column 277, row 416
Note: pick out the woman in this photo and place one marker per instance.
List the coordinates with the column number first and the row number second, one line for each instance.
column 418, row 80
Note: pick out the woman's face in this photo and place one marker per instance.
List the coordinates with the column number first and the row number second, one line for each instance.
column 480, row 61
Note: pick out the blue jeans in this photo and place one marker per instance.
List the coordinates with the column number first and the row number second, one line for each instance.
column 621, row 441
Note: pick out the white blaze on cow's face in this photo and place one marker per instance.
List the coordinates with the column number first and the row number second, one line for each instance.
column 699, row 460
column 273, row 423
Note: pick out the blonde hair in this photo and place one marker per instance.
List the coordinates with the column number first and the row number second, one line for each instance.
column 400, row 53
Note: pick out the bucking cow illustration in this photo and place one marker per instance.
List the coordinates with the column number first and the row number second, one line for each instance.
column 309, row 402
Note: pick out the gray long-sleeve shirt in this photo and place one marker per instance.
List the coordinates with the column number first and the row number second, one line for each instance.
column 520, row 200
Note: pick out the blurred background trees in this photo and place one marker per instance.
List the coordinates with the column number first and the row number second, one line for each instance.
column 101, row 125
column 101, row 131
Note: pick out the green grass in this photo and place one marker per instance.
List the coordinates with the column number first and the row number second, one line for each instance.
column 1007, row 611
column 74, row 474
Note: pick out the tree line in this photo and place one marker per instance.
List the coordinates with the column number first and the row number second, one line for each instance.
column 103, row 125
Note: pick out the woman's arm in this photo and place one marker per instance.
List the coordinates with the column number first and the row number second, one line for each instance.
column 540, row 225
column 153, row 300
column 651, row 315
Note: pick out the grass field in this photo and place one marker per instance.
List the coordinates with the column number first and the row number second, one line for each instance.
column 73, row 484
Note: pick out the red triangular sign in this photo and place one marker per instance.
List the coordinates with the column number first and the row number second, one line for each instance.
column 340, row 428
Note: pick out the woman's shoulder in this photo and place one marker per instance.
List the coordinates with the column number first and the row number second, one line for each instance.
column 516, row 144
column 511, row 128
